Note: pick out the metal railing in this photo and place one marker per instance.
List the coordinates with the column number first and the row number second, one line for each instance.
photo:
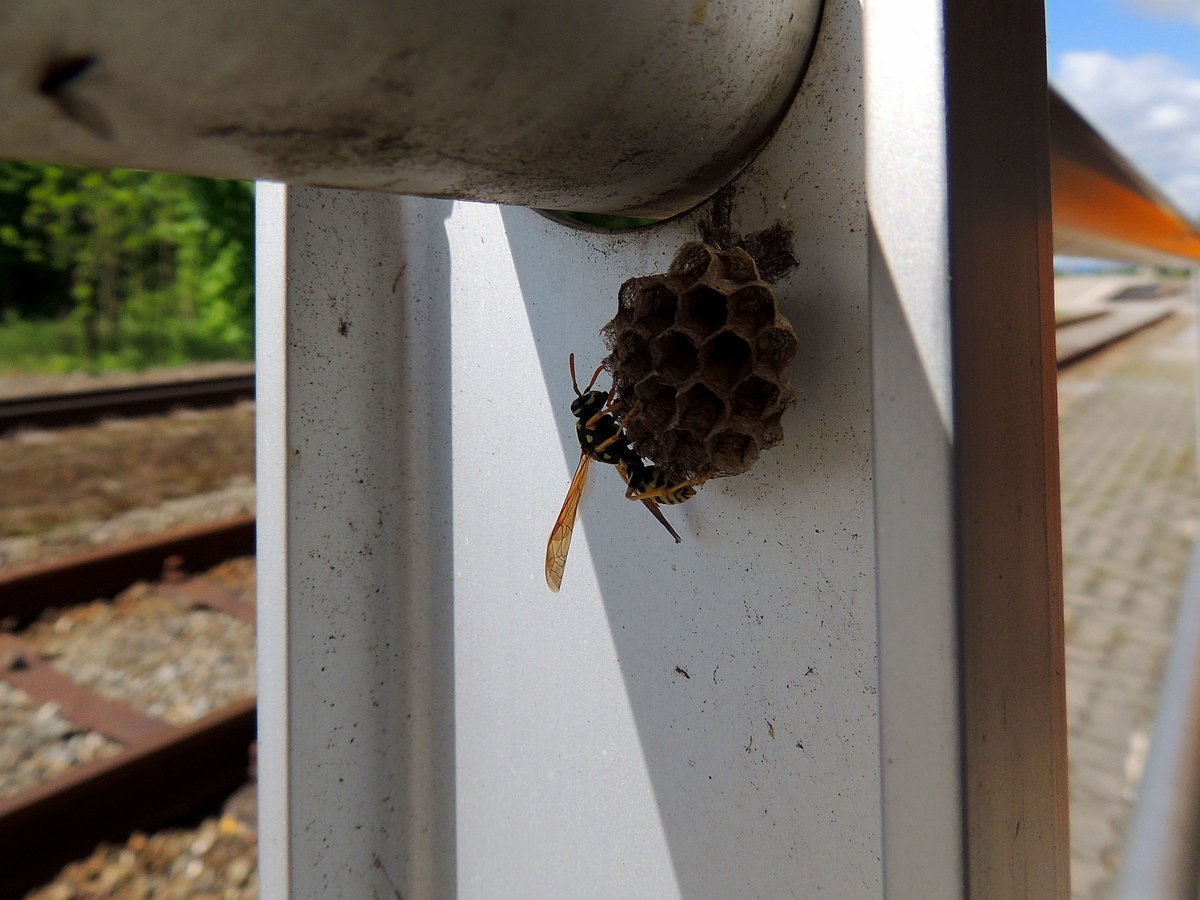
column 1104, row 207
column 1161, row 859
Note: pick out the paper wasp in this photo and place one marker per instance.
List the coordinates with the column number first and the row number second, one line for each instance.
column 601, row 437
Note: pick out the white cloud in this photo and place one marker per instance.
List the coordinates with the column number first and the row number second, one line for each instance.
column 1166, row 117
column 1148, row 107
column 1188, row 10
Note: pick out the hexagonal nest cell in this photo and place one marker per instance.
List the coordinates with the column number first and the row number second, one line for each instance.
column 697, row 357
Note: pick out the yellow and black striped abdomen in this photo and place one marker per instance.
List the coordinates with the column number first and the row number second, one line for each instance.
column 663, row 492
column 651, row 483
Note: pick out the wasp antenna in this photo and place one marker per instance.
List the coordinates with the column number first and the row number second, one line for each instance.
column 574, row 383
column 595, row 375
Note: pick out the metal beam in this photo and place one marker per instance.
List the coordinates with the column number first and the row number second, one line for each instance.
column 682, row 720
column 646, row 109
column 1105, row 207
column 1005, row 446
column 706, row 719
column 632, row 107
column 972, row 695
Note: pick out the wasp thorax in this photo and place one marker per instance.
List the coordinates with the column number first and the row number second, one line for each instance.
column 697, row 357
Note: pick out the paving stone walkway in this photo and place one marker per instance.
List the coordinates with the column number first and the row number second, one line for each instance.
column 1131, row 509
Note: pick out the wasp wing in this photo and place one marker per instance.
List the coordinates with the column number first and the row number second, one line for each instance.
column 560, row 536
column 652, row 506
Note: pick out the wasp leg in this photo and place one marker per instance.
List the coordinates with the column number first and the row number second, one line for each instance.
column 665, row 491
column 613, row 406
column 633, row 412
column 617, row 435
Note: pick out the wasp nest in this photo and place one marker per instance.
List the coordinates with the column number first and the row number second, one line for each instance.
column 697, row 358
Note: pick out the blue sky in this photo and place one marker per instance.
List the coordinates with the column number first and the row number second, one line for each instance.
column 1132, row 68
column 1130, row 29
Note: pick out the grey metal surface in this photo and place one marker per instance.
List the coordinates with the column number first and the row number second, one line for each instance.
column 639, row 107
column 695, row 720
column 971, row 679
column 1159, row 860
column 644, row 107
column 692, row 720
column 273, row 633
column 1005, row 439
column 912, row 457
column 1160, row 854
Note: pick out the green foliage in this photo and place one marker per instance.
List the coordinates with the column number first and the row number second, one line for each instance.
column 150, row 268
column 610, row 223
column 25, row 285
column 56, row 346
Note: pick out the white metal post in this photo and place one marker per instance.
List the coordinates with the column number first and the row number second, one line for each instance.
column 701, row 720
column 693, row 720
column 913, row 462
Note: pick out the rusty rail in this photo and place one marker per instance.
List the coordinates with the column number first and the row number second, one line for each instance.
column 163, row 771
column 25, row 593
column 146, row 786
column 83, row 407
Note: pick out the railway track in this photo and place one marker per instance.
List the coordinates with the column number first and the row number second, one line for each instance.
column 84, row 407
column 163, row 771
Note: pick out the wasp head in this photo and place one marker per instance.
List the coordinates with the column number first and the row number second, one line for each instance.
column 588, row 404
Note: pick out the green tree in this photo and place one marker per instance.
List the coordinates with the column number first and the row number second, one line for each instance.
column 159, row 267
column 27, row 287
